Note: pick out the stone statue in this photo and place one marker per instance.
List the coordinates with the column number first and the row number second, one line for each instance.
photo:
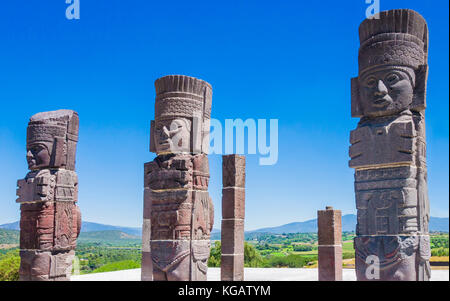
column 50, row 220
column 178, row 211
column 388, row 148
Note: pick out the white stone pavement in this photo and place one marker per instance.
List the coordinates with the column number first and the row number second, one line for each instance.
column 251, row 274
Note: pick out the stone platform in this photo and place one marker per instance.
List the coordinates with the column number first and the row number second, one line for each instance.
column 251, row 274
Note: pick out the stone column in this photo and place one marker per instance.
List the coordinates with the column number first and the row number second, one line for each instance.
column 50, row 220
column 388, row 148
column 330, row 244
column 178, row 211
column 146, row 263
column 233, row 214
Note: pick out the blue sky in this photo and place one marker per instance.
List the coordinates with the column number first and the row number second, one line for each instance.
column 292, row 61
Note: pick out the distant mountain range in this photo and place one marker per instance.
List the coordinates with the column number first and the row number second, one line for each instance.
column 348, row 224
column 115, row 237
column 439, row 224
column 88, row 227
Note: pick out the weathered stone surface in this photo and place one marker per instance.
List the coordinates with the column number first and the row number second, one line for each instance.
column 232, row 267
column 147, row 266
column 329, row 226
column 51, row 140
column 177, row 206
column 233, row 171
column 50, row 219
column 48, row 185
column 330, row 263
column 232, row 236
column 171, row 258
column 388, row 148
column 233, row 214
column 45, row 266
column 233, row 203
column 330, row 244
column 400, row 257
column 37, row 225
column 369, row 142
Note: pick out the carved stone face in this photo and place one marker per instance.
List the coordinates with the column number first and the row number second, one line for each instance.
column 173, row 136
column 387, row 91
column 38, row 155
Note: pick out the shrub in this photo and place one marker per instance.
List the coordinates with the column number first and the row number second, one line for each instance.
column 252, row 258
column 439, row 252
column 215, row 255
column 302, row 248
column 9, row 266
column 290, row 261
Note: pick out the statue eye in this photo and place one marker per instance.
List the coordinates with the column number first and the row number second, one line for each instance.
column 392, row 78
column 371, row 82
column 36, row 149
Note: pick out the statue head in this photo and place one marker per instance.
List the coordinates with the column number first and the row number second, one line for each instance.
column 173, row 135
column 51, row 140
column 182, row 115
column 392, row 64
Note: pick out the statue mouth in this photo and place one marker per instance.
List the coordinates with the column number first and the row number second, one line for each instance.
column 382, row 102
column 164, row 144
column 31, row 163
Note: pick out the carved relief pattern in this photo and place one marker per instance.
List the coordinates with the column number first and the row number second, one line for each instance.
column 388, row 148
column 176, row 182
column 50, row 219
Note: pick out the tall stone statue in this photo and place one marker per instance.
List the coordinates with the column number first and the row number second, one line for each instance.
column 50, row 220
column 388, row 148
column 178, row 211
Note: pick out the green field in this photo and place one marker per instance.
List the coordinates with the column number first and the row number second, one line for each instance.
column 105, row 251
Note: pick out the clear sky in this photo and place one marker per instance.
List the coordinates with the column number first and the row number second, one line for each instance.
column 289, row 60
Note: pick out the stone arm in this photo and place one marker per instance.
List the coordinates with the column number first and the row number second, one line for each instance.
column 382, row 144
column 37, row 186
column 211, row 215
column 78, row 217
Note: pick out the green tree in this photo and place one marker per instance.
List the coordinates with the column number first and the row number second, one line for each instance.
column 215, row 255
column 9, row 266
column 251, row 256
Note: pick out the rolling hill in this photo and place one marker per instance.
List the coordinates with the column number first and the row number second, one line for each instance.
column 9, row 236
column 115, row 237
column 439, row 224
column 348, row 224
column 87, row 227
column 93, row 231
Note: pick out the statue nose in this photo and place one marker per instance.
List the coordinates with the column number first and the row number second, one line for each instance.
column 381, row 89
column 165, row 133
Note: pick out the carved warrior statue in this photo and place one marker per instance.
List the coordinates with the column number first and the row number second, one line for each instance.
column 178, row 210
column 50, row 220
column 388, row 148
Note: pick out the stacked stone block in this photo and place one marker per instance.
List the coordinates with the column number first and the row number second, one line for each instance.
column 178, row 211
column 330, row 244
column 50, row 220
column 233, row 215
column 388, row 148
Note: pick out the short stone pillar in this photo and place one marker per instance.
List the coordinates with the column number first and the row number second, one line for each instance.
column 330, row 244
column 233, row 214
column 50, row 220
